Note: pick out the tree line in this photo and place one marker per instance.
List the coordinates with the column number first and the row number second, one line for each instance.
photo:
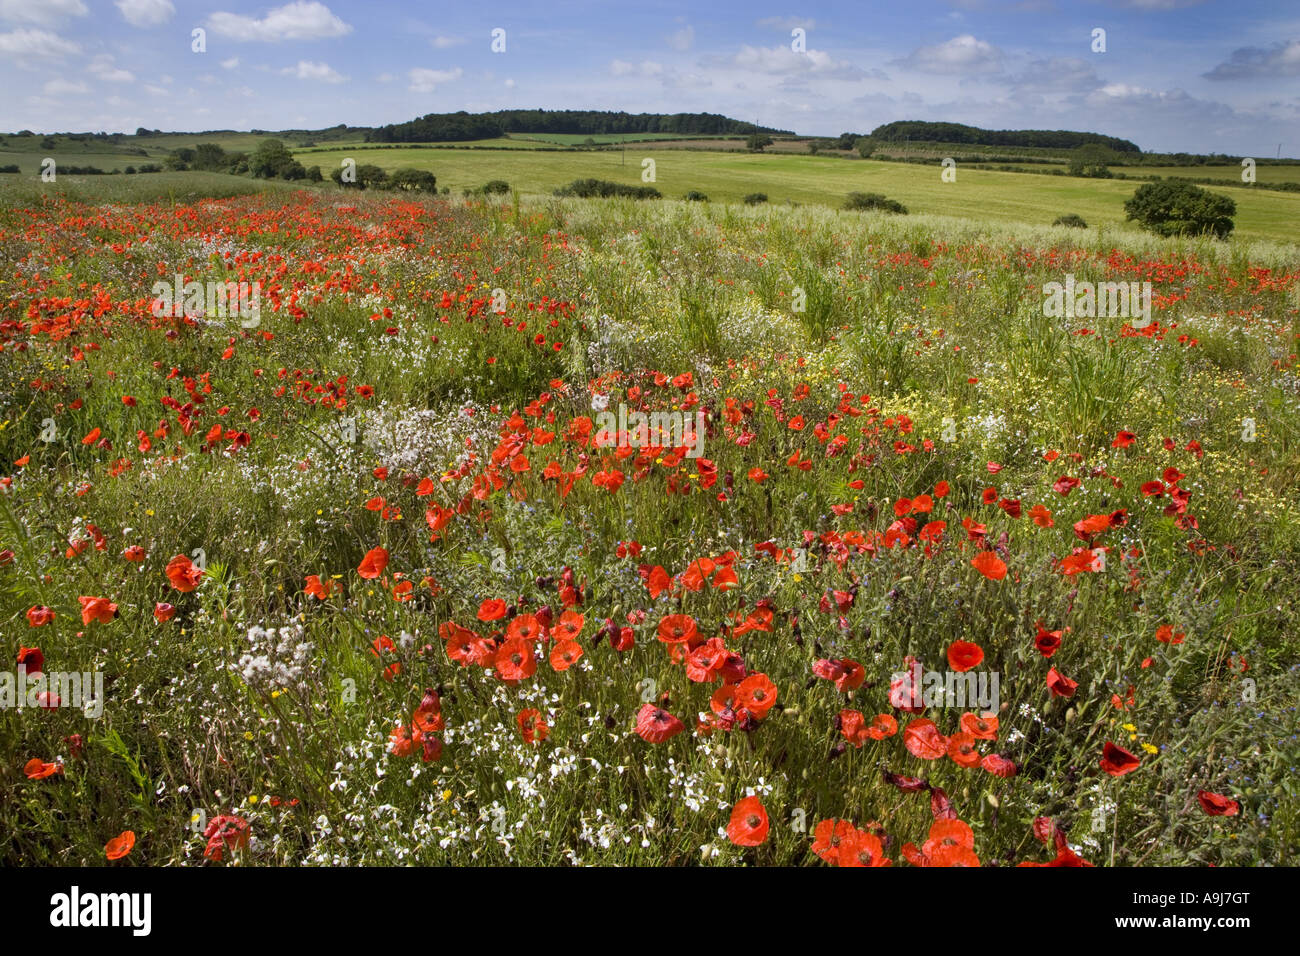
column 461, row 126
column 921, row 131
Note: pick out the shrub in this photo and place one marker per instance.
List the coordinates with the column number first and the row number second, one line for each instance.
column 11, row 168
column 410, row 179
column 604, row 189
column 753, row 199
column 695, row 196
column 1072, row 220
column 314, row 174
column 368, row 177
column 494, row 187
column 757, row 142
column 1091, row 160
column 874, row 201
column 1176, row 209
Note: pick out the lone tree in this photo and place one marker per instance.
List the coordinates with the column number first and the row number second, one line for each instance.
column 1180, row 209
column 758, row 142
column 270, row 159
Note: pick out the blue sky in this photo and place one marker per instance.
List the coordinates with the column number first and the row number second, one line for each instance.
column 1192, row 75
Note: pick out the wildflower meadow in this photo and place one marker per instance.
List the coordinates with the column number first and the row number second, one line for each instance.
column 348, row 520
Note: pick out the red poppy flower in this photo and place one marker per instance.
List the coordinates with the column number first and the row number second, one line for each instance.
column 135, row 553
column 980, row 726
column 861, row 849
column 531, row 725
column 882, row 726
column 120, row 845
column 1117, row 761
column 30, row 659
column 373, row 564
column 39, row 615
column 162, row 611
column 1165, row 634
column 38, row 769
column 847, row 675
column 923, row 740
column 948, row 834
column 183, row 574
column 427, row 718
column 1047, row 642
column 515, row 660
column 756, row 694
column 657, row 725
column 565, row 654
column 97, row 609
column 524, row 627
column 748, row 825
column 964, row 655
column 677, row 629
column 570, row 626
column 990, row 565
column 226, row 832
column 961, row 748
column 829, row 836
column 1217, row 805
column 492, row 609
column 998, row 765
column 313, row 586
column 1060, row 685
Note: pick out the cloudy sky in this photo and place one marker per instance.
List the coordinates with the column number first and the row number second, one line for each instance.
column 1192, row 75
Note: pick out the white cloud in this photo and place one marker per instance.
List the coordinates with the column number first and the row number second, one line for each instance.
column 103, row 67
column 146, row 13
column 963, row 54
column 1058, row 75
column 24, row 46
column 443, row 43
column 44, row 12
column 783, row 61
column 510, row 84
column 317, row 72
column 786, row 24
column 424, row 80
column 644, row 68
column 683, row 39
column 1255, row 63
column 301, row 20
column 62, row 87
column 230, row 64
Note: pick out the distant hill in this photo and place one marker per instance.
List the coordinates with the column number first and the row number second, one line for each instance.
column 919, row 131
column 445, row 127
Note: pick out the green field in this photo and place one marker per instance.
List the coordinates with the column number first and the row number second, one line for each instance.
column 728, row 177
column 534, row 165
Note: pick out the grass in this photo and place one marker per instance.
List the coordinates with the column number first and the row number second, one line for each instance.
column 922, row 357
column 985, row 196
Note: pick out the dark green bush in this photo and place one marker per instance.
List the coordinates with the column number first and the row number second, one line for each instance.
column 874, row 201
